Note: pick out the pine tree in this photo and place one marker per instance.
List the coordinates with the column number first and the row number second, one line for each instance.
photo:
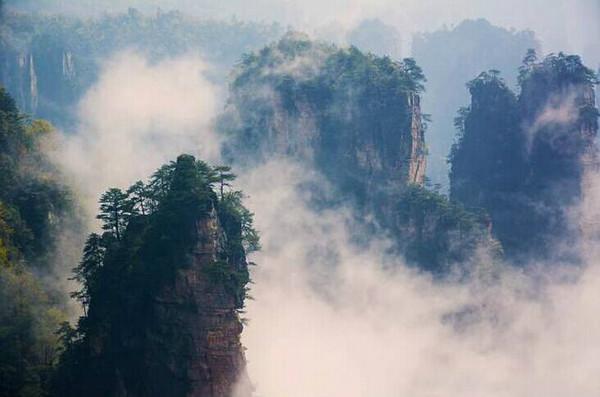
column 224, row 176
column 115, row 209
column 160, row 182
column 87, row 271
column 140, row 196
column 528, row 62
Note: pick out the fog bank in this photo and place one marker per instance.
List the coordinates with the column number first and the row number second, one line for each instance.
column 328, row 319
column 135, row 118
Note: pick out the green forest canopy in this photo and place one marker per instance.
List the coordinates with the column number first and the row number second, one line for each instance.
column 34, row 207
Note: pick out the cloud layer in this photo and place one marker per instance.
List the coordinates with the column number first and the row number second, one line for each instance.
column 333, row 319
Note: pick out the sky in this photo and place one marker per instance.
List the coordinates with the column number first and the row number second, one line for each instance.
column 567, row 25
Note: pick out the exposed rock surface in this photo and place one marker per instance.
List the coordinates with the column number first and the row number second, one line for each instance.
column 204, row 316
column 48, row 63
column 163, row 296
column 356, row 119
column 353, row 116
column 417, row 165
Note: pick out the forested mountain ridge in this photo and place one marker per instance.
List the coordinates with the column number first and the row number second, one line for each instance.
column 48, row 62
column 162, row 288
column 34, row 209
column 531, row 151
column 356, row 119
column 317, row 102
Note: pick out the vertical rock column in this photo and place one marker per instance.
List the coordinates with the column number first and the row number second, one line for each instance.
column 204, row 311
column 416, row 169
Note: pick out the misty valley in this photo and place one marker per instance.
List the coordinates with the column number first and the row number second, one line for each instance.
column 226, row 200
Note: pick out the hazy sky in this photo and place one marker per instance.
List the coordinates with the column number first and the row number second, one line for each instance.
column 569, row 25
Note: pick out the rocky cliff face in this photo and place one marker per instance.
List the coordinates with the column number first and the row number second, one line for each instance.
column 49, row 63
column 203, row 315
column 18, row 73
column 417, row 166
column 530, row 154
column 43, row 79
column 356, row 119
column 163, row 294
column 560, row 117
column 353, row 116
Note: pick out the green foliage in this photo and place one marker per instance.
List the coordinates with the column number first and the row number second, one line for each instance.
column 151, row 234
column 355, row 117
column 524, row 172
column 496, row 106
column 450, row 56
column 88, row 270
column 28, row 343
column 460, row 120
column 438, row 233
column 234, row 280
column 224, row 176
column 160, row 182
column 141, row 198
column 33, row 207
column 563, row 68
column 528, row 63
column 247, row 238
column 338, row 107
column 416, row 78
column 115, row 210
column 10, row 225
column 30, row 191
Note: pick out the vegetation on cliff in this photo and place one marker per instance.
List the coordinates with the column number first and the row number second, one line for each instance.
column 348, row 111
column 150, row 232
column 438, row 234
column 163, row 282
column 356, row 119
column 33, row 208
column 522, row 158
column 354, row 116
column 451, row 56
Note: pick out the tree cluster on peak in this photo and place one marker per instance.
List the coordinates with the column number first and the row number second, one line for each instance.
column 150, row 231
column 298, row 57
column 452, row 55
column 522, row 157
